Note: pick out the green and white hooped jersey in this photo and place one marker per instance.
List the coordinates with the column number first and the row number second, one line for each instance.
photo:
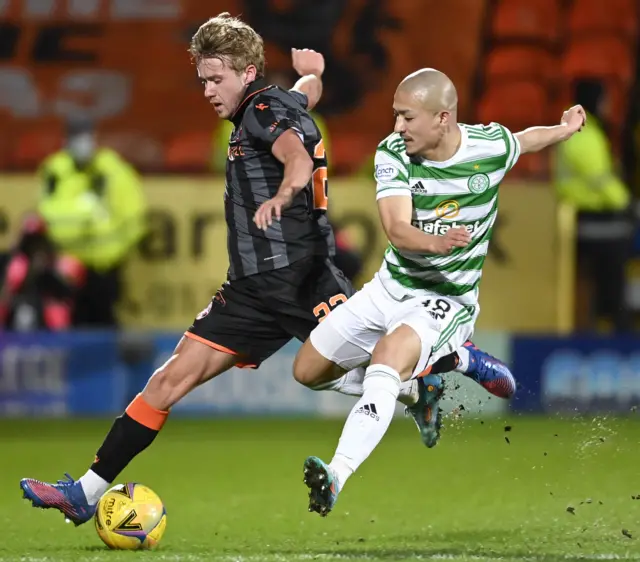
column 462, row 191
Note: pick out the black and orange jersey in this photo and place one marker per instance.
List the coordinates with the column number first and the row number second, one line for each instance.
column 254, row 175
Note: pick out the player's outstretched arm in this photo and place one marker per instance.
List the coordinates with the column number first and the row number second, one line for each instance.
column 396, row 213
column 538, row 138
column 310, row 65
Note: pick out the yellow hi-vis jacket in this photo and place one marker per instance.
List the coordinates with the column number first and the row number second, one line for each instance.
column 584, row 172
column 96, row 214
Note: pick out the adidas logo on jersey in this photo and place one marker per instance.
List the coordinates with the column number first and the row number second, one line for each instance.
column 419, row 188
column 369, row 410
column 439, row 227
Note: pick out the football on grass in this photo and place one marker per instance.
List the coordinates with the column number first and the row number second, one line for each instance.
column 130, row 517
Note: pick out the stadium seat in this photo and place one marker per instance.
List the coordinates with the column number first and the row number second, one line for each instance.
column 620, row 17
column 32, row 147
column 515, row 104
column 606, row 57
column 141, row 149
column 533, row 20
column 520, row 62
column 6, row 140
column 189, row 152
column 535, row 165
column 348, row 152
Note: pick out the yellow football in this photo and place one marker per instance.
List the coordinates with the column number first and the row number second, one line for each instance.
column 130, row 517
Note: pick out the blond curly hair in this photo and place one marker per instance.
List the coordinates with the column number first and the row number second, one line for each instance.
column 231, row 40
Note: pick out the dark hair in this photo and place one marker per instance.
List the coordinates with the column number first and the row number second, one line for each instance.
column 588, row 92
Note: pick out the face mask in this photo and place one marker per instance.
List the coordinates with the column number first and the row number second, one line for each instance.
column 82, row 147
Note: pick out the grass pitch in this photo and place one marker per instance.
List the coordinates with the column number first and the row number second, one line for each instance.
column 557, row 490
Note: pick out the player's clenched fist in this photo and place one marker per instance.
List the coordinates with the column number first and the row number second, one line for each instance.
column 454, row 238
column 307, row 61
column 574, row 118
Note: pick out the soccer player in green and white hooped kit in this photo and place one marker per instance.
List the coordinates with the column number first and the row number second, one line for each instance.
column 437, row 192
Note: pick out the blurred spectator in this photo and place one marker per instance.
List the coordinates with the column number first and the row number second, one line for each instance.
column 94, row 207
column 586, row 178
column 38, row 285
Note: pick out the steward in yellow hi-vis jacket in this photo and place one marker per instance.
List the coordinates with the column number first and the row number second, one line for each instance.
column 585, row 177
column 584, row 173
column 94, row 207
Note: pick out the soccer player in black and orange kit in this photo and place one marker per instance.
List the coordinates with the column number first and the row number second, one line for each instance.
column 281, row 278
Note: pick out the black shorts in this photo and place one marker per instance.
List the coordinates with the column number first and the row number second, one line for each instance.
column 255, row 316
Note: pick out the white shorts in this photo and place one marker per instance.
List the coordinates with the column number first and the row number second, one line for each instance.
column 349, row 333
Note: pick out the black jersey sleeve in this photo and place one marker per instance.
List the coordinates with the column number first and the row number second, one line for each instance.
column 267, row 118
column 300, row 98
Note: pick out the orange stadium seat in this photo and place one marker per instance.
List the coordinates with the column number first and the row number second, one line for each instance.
column 190, row 151
column 6, row 140
column 514, row 104
column 535, row 20
column 587, row 17
column 520, row 62
column 535, row 165
column 32, row 147
column 348, row 152
column 606, row 57
column 142, row 150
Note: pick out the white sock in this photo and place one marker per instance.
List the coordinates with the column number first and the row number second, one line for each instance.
column 408, row 392
column 351, row 384
column 368, row 421
column 463, row 363
column 93, row 486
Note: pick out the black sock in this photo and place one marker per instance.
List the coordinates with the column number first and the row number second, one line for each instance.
column 126, row 439
column 445, row 364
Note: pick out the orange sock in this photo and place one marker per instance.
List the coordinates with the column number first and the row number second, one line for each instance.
column 140, row 411
column 130, row 434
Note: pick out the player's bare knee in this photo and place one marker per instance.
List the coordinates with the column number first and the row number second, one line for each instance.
column 193, row 365
column 310, row 368
column 169, row 384
column 303, row 367
column 399, row 350
column 386, row 351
